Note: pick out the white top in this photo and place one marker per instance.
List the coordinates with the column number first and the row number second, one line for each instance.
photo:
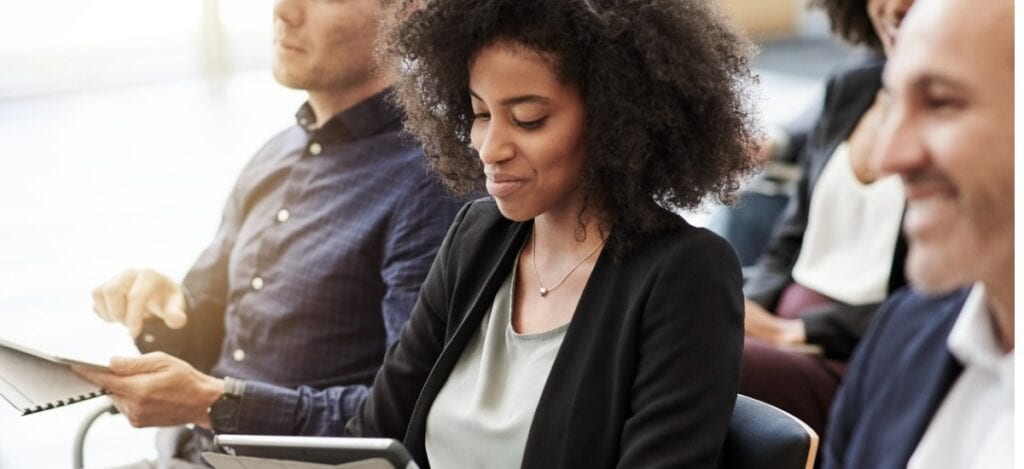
column 851, row 234
column 973, row 428
column 482, row 415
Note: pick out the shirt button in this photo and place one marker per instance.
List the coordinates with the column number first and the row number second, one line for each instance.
column 148, row 338
column 257, row 283
column 238, row 355
column 315, row 148
column 283, row 215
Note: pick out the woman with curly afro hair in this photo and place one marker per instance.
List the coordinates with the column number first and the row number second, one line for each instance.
column 572, row 319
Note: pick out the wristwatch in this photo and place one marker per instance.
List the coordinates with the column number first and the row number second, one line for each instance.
column 224, row 412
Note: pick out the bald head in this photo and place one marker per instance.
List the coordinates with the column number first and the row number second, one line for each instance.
column 963, row 26
column 949, row 136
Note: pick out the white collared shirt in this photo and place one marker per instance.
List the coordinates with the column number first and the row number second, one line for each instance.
column 973, row 428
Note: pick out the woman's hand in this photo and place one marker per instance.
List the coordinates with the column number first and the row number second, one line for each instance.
column 760, row 323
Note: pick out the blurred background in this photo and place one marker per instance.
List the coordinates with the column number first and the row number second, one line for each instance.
column 122, row 127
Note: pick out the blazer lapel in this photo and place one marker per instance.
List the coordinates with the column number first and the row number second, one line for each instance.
column 508, row 251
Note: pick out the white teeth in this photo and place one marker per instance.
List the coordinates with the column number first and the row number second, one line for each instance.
column 927, row 214
column 927, row 203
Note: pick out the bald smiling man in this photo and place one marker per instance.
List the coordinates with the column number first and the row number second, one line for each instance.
column 932, row 383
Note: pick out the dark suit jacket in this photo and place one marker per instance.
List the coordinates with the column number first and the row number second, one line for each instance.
column 836, row 328
column 647, row 372
column 896, row 381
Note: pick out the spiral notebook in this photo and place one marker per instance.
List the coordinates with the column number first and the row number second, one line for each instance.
column 33, row 380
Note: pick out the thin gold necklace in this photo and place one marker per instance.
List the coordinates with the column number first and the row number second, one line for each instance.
column 544, row 291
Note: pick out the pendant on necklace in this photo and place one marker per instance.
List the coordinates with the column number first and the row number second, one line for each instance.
column 543, row 292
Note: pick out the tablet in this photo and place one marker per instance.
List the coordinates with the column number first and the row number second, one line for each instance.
column 324, row 450
column 52, row 355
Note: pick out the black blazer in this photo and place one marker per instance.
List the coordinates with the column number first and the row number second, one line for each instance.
column 895, row 384
column 647, row 373
column 836, row 328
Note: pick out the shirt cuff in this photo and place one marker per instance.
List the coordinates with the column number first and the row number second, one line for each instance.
column 275, row 410
column 267, row 409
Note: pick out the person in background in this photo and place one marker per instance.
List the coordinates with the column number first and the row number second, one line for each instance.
column 932, row 384
column 836, row 253
column 572, row 320
column 324, row 242
column 747, row 225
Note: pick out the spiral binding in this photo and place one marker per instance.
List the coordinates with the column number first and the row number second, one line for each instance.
column 62, row 402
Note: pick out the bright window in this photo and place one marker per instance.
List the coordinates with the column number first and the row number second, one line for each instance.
column 52, row 46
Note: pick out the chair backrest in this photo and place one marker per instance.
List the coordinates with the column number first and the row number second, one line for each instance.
column 762, row 436
column 78, row 450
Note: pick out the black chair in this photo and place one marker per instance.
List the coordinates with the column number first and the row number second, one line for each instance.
column 762, row 436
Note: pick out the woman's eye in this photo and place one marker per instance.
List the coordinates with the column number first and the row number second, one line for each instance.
column 482, row 116
column 530, row 125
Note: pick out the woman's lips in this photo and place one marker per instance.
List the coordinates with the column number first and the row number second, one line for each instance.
column 503, row 186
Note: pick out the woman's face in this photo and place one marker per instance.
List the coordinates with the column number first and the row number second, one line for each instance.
column 886, row 16
column 528, row 130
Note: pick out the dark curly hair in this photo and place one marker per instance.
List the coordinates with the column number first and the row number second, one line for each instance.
column 665, row 86
column 850, row 21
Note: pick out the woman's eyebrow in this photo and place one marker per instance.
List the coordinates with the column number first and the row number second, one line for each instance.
column 512, row 101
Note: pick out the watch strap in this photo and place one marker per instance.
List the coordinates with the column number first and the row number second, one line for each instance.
column 226, row 410
column 234, row 387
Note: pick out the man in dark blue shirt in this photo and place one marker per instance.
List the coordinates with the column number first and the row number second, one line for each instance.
column 318, row 261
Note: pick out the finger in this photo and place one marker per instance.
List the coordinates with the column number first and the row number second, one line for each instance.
column 114, row 294
column 99, row 302
column 174, row 311
column 120, row 403
column 172, row 314
column 148, row 363
column 161, row 298
column 99, row 305
column 153, row 309
column 129, row 409
column 138, row 296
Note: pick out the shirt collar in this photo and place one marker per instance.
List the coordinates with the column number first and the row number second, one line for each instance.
column 974, row 341
column 365, row 119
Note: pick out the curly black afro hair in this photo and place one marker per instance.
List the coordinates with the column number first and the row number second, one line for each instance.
column 850, row 21
column 665, row 85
